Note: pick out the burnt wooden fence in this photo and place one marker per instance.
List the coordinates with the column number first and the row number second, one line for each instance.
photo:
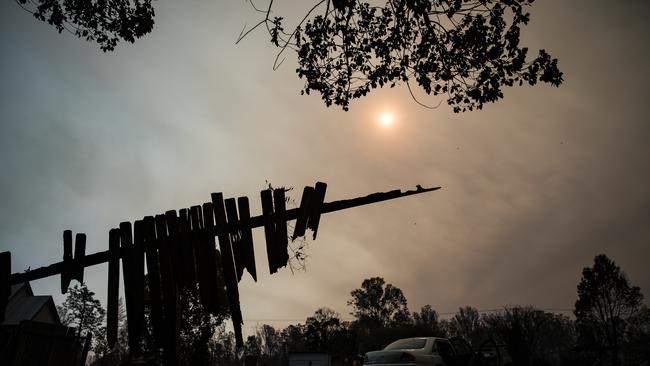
column 179, row 250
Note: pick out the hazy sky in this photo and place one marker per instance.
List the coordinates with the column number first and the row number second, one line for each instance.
column 533, row 187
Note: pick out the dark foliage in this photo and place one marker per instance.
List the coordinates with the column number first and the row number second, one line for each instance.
column 82, row 310
column 197, row 328
column 532, row 336
column 106, row 22
column 379, row 304
column 464, row 50
column 323, row 329
column 195, row 334
column 426, row 322
column 526, row 335
column 467, row 324
column 606, row 304
column 637, row 338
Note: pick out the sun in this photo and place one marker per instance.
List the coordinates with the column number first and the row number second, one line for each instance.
column 386, row 119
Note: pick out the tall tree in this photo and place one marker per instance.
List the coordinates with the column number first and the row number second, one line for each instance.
column 322, row 329
column 426, row 322
column 121, row 349
column 467, row 324
column 606, row 301
column 82, row 310
column 533, row 337
column 379, row 304
column 223, row 344
column 252, row 346
column 269, row 340
column 196, row 331
column 637, row 336
column 293, row 339
column 197, row 327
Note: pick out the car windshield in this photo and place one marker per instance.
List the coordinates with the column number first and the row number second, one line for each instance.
column 411, row 343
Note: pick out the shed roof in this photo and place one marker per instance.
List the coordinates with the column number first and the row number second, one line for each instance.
column 16, row 289
column 27, row 306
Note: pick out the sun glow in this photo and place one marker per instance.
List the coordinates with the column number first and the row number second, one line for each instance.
column 386, row 119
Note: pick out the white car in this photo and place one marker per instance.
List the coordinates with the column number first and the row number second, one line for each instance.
column 422, row 351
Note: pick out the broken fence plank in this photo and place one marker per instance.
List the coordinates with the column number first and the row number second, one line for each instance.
column 113, row 291
column 186, row 249
column 129, row 271
column 68, row 266
column 173, row 241
column 198, row 242
column 153, row 279
column 137, row 281
column 79, row 254
column 5, row 282
column 303, row 213
column 169, row 288
column 212, row 269
column 269, row 229
column 281, row 237
column 228, row 266
column 246, row 242
column 316, row 207
column 235, row 236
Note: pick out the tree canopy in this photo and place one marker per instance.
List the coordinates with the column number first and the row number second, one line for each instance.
column 323, row 329
column 104, row 22
column 466, row 323
column 82, row 310
column 379, row 304
column 427, row 321
column 464, row 51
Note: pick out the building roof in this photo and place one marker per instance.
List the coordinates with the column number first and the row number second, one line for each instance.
column 23, row 305
column 21, row 289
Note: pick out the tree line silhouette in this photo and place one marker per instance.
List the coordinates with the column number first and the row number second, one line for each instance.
column 611, row 326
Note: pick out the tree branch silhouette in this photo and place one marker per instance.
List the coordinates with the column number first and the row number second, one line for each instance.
column 466, row 50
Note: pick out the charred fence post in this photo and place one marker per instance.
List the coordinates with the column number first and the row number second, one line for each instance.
column 79, row 254
column 229, row 266
column 246, row 240
column 5, row 282
column 136, row 322
column 187, row 263
column 66, row 273
column 280, row 222
column 153, row 279
column 113, row 290
column 73, row 267
column 269, row 229
column 212, row 274
column 235, row 235
column 316, row 207
column 169, row 289
column 133, row 284
column 301, row 220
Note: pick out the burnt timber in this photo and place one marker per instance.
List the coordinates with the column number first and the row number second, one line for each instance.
column 254, row 222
